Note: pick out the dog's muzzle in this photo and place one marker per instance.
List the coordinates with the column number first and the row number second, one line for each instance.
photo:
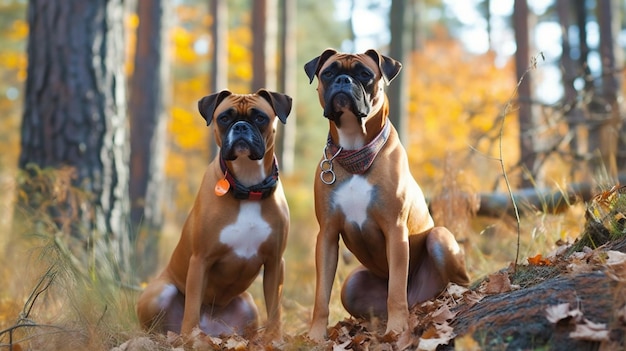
column 345, row 93
column 242, row 138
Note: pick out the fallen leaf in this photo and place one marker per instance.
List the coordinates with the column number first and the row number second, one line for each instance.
column 236, row 344
column 496, row 283
column 578, row 266
column 437, row 334
column 615, row 258
column 342, row 346
column 442, row 315
column 538, row 260
column 456, row 291
column 390, row 338
column 557, row 313
column 472, row 298
column 590, row 331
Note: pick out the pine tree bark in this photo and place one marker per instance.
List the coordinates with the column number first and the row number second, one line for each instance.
column 75, row 120
column 287, row 83
column 219, row 59
column 147, row 123
column 400, row 10
column 264, row 44
column 522, row 63
column 609, row 130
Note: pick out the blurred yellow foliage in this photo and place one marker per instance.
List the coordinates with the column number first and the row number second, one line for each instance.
column 187, row 129
column 183, row 44
column 19, row 30
column 454, row 98
column 132, row 21
column 240, row 59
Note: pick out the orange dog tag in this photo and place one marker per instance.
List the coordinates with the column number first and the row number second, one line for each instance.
column 221, row 187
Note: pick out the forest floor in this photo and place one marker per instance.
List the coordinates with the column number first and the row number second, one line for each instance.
column 561, row 302
column 571, row 299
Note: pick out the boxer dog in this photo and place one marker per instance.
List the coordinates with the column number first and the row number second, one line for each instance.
column 365, row 193
column 238, row 224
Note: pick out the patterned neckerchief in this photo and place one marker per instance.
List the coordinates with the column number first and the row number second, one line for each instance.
column 359, row 161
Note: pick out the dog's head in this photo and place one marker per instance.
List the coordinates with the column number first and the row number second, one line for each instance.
column 245, row 124
column 351, row 83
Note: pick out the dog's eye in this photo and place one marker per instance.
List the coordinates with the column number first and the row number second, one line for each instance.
column 327, row 74
column 366, row 75
column 260, row 119
column 223, row 119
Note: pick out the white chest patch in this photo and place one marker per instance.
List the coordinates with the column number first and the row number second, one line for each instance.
column 353, row 197
column 248, row 232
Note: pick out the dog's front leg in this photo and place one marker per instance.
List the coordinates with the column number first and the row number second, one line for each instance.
column 194, row 288
column 326, row 256
column 273, row 276
column 398, row 258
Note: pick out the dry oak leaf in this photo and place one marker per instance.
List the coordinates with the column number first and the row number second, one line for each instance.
column 472, row 297
column 590, row 331
column 456, row 291
column 557, row 313
column 616, row 265
column 615, row 258
column 435, row 335
column 497, row 283
column 342, row 346
column 236, row 344
column 442, row 315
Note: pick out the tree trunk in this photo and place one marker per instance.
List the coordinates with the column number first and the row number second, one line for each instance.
column 147, row 123
column 287, row 80
column 264, row 44
column 219, row 39
column 609, row 24
column 219, row 62
column 397, row 50
column 522, row 63
column 581, row 22
column 569, row 73
column 75, row 121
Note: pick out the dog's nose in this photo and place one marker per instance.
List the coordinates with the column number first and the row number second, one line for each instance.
column 343, row 79
column 240, row 127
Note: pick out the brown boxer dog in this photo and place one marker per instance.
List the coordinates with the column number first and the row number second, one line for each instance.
column 238, row 224
column 365, row 193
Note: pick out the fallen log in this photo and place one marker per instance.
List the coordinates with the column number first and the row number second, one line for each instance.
column 544, row 200
column 518, row 320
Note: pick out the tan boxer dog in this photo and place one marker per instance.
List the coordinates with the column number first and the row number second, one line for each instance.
column 365, row 193
column 238, row 224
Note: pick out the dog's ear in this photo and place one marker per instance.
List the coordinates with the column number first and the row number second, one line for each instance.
column 281, row 103
column 388, row 66
column 208, row 104
column 312, row 67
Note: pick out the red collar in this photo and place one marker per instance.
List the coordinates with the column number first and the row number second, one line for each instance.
column 255, row 192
